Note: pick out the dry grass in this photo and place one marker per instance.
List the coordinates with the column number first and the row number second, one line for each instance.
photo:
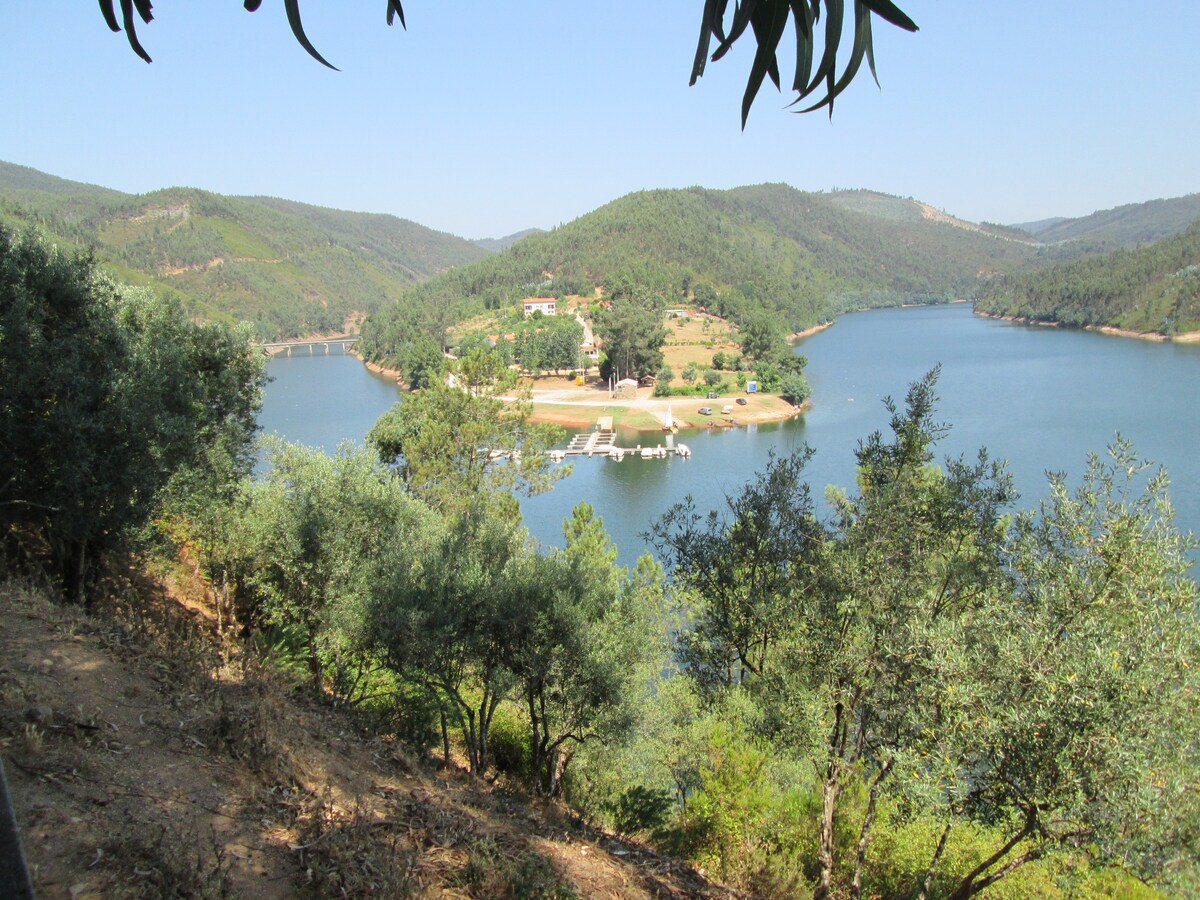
column 695, row 339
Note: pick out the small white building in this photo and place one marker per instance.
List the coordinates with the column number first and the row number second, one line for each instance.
column 626, row 389
column 544, row 305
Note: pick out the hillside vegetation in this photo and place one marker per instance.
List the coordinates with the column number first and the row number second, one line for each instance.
column 178, row 765
column 1152, row 289
column 921, row 692
column 290, row 268
column 1123, row 226
column 767, row 250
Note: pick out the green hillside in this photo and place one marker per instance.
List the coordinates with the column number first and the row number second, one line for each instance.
column 1151, row 289
column 798, row 257
column 288, row 267
column 1124, row 226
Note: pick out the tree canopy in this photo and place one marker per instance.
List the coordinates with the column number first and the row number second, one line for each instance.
column 767, row 20
column 930, row 654
column 108, row 396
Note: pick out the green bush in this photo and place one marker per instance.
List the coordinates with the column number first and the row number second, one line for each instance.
column 508, row 745
column 901, row 852
column 642, row 810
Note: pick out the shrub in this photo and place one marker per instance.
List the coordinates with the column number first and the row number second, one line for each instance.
column 508, row 745
column 642, row 810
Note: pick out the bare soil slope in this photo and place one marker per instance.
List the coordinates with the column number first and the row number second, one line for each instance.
column 146, row 757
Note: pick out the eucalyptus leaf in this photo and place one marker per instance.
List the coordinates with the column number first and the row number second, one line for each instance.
column 293, row 14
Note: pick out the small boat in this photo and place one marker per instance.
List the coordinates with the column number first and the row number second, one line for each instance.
column 683, row 450
column 669, row 422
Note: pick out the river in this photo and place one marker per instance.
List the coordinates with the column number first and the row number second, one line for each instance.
column 1040, row 398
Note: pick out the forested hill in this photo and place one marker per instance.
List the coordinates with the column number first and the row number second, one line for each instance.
column 1122, row 226
column 290, row 268
column 800, row 257
column 1150, row 289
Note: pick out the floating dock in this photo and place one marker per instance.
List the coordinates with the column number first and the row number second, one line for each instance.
column 603, row 442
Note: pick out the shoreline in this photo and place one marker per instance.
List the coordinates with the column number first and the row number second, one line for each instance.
column 582, row 408
column 1188, row 337
column 574, row 419
column 809, row 332
column 394, row 374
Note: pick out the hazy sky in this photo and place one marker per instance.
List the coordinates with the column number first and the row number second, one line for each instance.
column 485, row 118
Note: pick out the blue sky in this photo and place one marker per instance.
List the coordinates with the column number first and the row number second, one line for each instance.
column 484, row 118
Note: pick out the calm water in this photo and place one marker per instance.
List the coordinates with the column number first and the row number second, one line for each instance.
column 321, row 399
column 1041, row 398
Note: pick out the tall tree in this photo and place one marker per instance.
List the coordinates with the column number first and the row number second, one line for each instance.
column 1087, row 736
column 746, row 571
column 914, row 567
column 578, row 631
column 307, row 539
column 455, row 442
column 632, row 333
column 106, row 393
column 435, row 616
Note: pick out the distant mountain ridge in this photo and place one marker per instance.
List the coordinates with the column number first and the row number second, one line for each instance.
column 901, row 209
column 293, row 268
column 288, row 267
column 1122, row 226
column 495, row 245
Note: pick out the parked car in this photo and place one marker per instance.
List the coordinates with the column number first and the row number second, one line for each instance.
column 713, row 395
column 742, row 401
column 705, row 410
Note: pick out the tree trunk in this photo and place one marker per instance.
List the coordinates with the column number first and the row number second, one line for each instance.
column 829, row 794
column 445, row 738
column 864, row 836
column 314, row 662
column 937, row 856
column 535, row 738
column 562, row 759
column 969, row 886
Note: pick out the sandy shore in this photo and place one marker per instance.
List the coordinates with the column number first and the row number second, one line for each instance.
column 1190, row 337
column 395, row 374
column 808, row 332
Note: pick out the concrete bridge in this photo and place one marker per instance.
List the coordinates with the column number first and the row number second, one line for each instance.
column 325, row 343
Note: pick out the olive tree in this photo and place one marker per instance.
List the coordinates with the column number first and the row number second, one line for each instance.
column 459, row 440
column 577, row 633
column 307, row 541
column 435, row 616
column 108, row 393
column 1035, row 674
column 1087, row 737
